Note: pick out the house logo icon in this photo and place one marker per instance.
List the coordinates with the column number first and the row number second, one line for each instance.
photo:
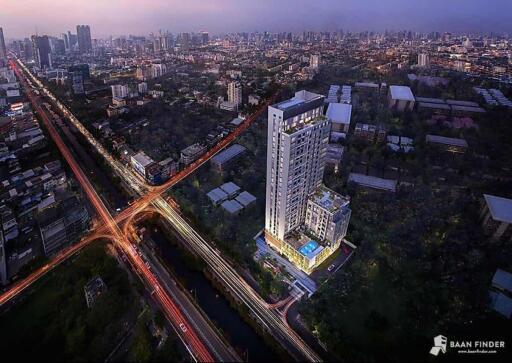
column 439, row 345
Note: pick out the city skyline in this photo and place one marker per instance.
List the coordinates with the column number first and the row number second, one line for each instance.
column 225, row 16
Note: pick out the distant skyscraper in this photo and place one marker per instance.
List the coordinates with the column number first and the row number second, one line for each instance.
column 65, row 38
column 423, row 60
column 42, row 51
column 3, row 50
column 72, row 40
column 204, row 38
column 235, row 93
column 83, row 33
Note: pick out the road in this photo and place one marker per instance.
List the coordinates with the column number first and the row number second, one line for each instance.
column 269, row 319
column 196, row 347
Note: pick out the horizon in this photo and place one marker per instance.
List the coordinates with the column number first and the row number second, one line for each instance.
column 229, row 16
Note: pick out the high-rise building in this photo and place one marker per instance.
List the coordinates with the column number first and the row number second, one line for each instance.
column 42, row 51
column 72, row 40
column 65, row 38
column 3, row 49
column 298, row 136
column 235, row 93
column 83, row 33
column 205, row 37
column 314, row 61
column 423, row 60
column 119, row 91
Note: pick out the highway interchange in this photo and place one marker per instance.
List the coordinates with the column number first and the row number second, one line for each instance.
column 117, row 228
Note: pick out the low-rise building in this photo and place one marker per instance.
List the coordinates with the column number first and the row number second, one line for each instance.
column 501, row 292
column 192, row 153
column 370, row 133
column 232, row 206
column 449, row 144
column 245, row 198
column 373, row 182
column 217, row 196
column 339, row 114
column 225, row 158
column 497, row 216
column 93, row 289
column 401, row 98
column 230, row 188
column 62, row 223
column 328, row 215
column 140, row 162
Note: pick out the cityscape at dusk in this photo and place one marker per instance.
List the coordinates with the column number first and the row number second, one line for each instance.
column 255, row 181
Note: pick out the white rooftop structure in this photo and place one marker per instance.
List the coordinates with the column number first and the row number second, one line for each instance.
column 339, row 113
column 402, row 93
column 500, row 208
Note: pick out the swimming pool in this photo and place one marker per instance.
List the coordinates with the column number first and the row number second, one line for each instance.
column 308, row 248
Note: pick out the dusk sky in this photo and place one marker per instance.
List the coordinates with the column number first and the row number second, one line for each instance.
column 20, row 18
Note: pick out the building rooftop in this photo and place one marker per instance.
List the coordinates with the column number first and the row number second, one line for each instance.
column 232, row 206
column 446, row 140
column 500, row 208
column 501, row 303
column 403, row 93
column 142, row 159
column 433, row 105
column 217, row 195
column 366, row 84
column 339, row 113
column 236, row 121
column 192, row 149
column 228, row 153
column 329, row 199
column 230, row 188
column 373, row 182
column 430, row 100
column 502, row 280
column 467, row 109
column 462, row 103
column 245, row 198
column 303, row 101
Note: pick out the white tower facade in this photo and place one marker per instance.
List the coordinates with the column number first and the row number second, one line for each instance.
column 298, row 135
